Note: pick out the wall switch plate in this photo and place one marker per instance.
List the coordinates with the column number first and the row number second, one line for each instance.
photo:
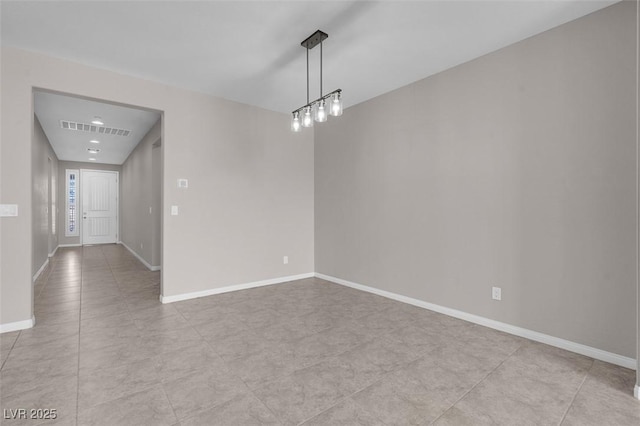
column 7, row 210
column 496, row 293
column 174, row 210
column 285, row 260
column 183, row 183
column 150, row 210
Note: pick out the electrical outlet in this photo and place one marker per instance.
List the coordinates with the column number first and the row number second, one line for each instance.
column 285, row 260
column 141, row 246
column 496, row 293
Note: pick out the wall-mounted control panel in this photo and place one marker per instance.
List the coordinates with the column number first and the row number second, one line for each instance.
column 8, row 210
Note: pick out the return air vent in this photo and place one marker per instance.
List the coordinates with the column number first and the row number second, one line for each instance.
column 92, row 128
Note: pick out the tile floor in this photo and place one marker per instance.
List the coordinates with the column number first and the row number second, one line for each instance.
column 106, row 352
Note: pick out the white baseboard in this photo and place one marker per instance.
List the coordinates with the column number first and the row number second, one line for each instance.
column 196, row 294
column 144, row 262
column 497, row 325
column 69, row 245
column 53, row 253
column 636, row 391
column 18, row 325
column 37, row 274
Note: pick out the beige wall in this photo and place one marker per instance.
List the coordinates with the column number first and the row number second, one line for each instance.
column 516, row 170
column 42, row 197
column 62, row 189
column 250, row 196
column 137, row 186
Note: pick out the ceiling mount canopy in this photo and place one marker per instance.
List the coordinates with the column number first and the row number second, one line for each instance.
column 302, row 117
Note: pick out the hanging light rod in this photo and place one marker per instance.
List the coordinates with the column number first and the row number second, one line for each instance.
column 302, row 116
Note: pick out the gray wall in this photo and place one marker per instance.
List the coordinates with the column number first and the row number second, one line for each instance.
column 638, row 175
column 250, row 196
column 43, row 197
column 139, row 188
column 156, row 201
column 516, row 170
column 62, row 188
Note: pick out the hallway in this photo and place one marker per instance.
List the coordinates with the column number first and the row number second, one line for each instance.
column 94, row 301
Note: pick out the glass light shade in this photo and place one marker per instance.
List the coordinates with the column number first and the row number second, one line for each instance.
column 320, row 112
column 307, row 119
column 335, row 105
column 295, row 122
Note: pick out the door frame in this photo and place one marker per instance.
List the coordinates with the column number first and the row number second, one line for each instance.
column 80, row 201
column 50, row 208
column 61, row 199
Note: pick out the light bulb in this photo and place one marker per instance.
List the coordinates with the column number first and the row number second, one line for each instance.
column 321, row 112
column 336, row 105
column 307, row 120
column 295, row 123
column 97, row 121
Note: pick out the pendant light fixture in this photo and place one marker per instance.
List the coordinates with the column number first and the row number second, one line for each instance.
column 319, row 109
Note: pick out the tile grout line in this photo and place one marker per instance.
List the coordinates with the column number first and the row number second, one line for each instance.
column 343, row 399
column 480, row 381
column 321, row 361
column 162, row 384
column 51, row 268
column 206, row 342
column 584, row 379
column 286, row 375
column 115, row 279
column 385, row 375
column 79, row 334
column 10, row 349
column 110, row 267
column 173, row 410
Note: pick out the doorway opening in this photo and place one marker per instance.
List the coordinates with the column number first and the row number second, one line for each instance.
column 97, row 170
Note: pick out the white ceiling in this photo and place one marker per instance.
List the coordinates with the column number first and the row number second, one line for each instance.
column 72, row 145
column 250, row 51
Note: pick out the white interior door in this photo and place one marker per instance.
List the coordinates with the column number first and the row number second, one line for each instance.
column 99, row 206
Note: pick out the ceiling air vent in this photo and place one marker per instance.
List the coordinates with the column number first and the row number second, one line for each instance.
column 92, row 128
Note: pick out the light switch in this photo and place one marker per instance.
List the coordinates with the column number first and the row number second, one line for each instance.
column 7, row 210
column 174, row 210
column 183, row 183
